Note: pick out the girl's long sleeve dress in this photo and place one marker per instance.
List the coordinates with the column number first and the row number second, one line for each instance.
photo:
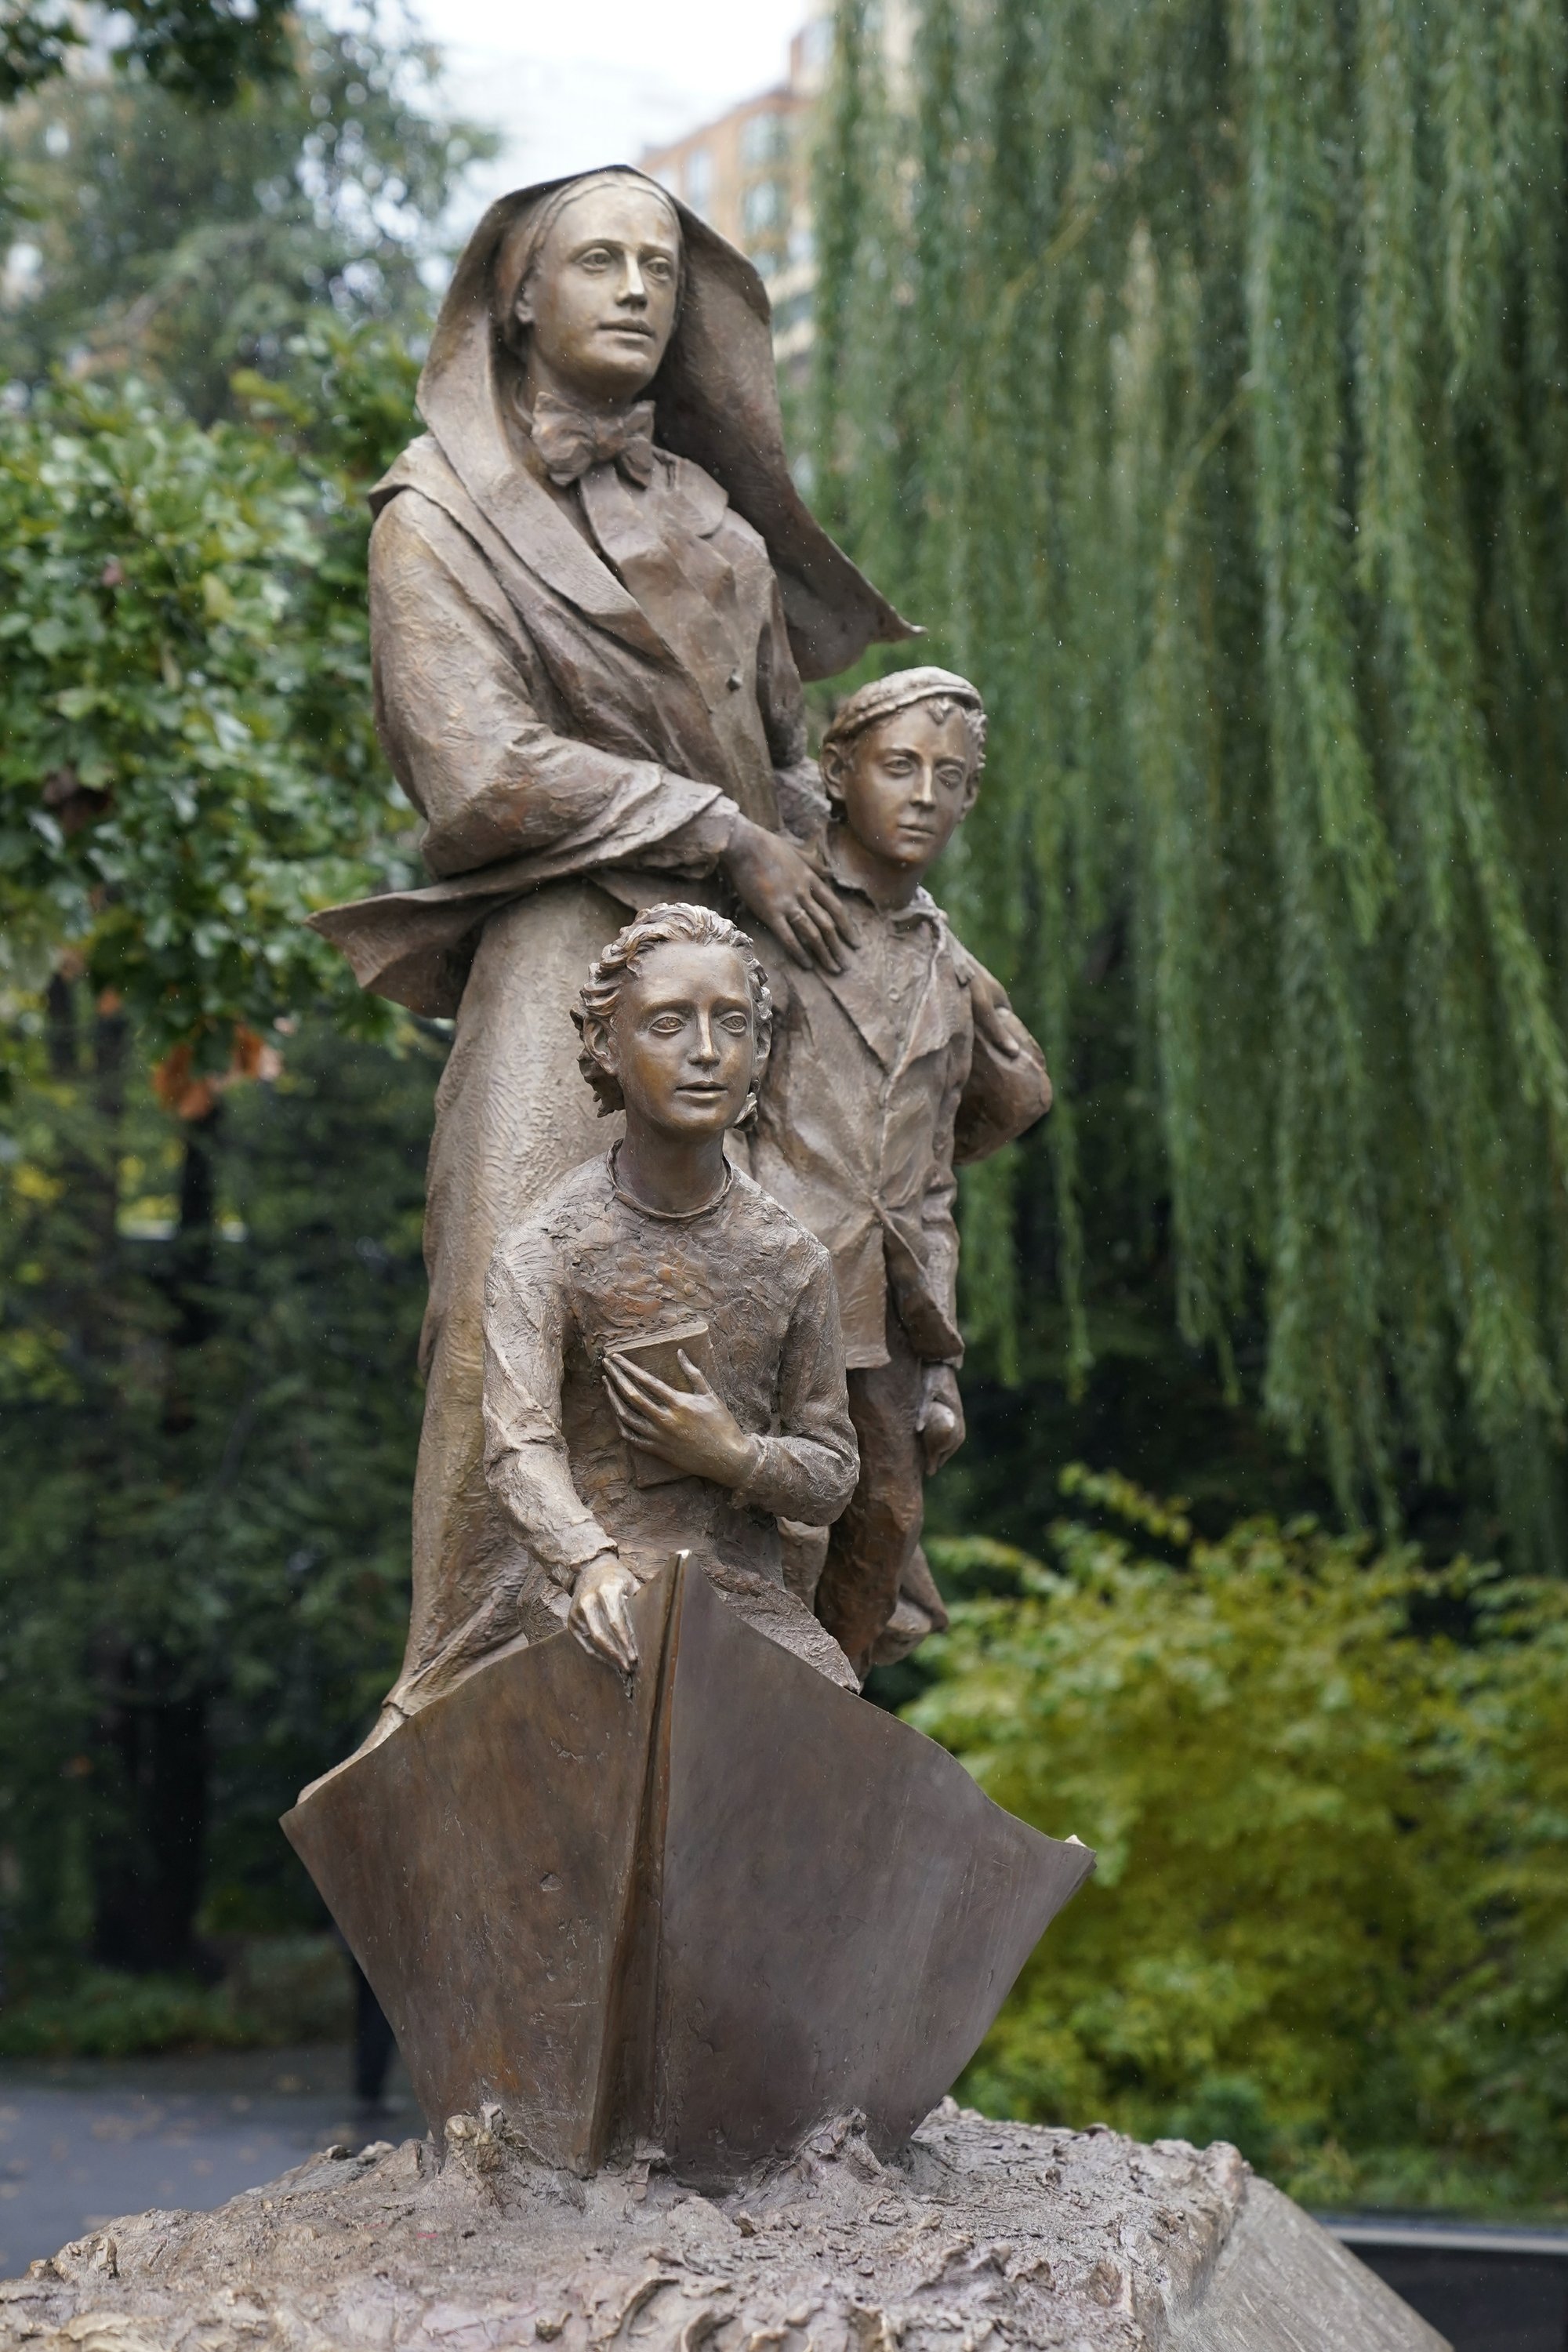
column 592, row 1270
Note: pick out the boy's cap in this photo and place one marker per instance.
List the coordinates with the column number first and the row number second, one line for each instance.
column 897, row 691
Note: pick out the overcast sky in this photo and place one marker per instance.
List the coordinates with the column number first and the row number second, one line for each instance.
column 578, row 82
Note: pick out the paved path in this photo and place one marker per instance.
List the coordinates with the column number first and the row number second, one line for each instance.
column 84, row 2141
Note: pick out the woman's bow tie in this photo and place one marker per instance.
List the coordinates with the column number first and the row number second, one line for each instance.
column 571, row 441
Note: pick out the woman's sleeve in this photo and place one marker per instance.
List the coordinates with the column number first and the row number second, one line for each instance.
column 526, row 1462
column 808, row 1471
column 797, row 780
column 462, row 727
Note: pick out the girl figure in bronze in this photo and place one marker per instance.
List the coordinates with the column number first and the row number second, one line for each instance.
column 595, row 590
column 664, row 1369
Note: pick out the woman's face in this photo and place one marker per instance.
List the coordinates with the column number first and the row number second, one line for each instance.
column 599, row 302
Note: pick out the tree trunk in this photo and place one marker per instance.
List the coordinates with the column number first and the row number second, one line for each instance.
column 149, row 1869
column 154, row 1749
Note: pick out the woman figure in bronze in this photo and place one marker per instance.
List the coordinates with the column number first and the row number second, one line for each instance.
column 595, row 590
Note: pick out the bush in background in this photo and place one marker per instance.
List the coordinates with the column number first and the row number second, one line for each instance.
column 209, row 1289
column 280, row 1990
column 211, row 1409
column 1329, row 1791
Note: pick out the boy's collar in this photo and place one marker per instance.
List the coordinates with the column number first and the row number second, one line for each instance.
column 840, row 871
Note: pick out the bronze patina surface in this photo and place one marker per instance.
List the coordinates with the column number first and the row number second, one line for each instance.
column 595, row 590
column 667, row 1880
column 593, row 587
column 706, row 1906
column 884, row 1074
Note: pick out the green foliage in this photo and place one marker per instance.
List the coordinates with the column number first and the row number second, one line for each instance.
column 106, row 2015
column 162, row 816
column 1328, row 1792
column 211, row 1415
column 166, row 236
column 282, row 1990
column 188, row 762
column 34, row 43
column 208, row 48
column 188, row 765
column 1210, row 412
column 205, row 48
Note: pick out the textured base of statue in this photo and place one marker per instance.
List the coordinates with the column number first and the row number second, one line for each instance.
column 701, row 1908
column 980, row 2234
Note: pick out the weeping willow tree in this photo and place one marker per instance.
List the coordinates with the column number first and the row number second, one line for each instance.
column 1195, row 373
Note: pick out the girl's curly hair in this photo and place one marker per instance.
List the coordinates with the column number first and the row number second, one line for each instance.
column 659, row 927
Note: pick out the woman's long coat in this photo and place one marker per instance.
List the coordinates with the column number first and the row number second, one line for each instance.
column 576, row 750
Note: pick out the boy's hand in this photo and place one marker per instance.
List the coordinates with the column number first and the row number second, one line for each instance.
column 939, row 1424
column 598, row 1613
column 993, row 1014
column 692, row 1430
column 805, row 913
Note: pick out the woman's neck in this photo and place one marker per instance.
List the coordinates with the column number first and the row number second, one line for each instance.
column 539, row 377
column 671, row 1174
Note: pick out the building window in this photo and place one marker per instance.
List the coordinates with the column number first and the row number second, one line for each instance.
column 816, row 45
column 762, row 208
column 764, row 138
column 700, row 179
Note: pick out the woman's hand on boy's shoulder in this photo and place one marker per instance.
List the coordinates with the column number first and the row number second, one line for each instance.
column 774, row 878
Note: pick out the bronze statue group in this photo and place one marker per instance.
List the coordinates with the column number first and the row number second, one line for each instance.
column 733, row 1332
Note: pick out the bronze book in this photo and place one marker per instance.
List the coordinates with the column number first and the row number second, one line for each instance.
column 659, row 1352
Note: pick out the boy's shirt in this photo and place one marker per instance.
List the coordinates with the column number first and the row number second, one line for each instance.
column 871, row 1070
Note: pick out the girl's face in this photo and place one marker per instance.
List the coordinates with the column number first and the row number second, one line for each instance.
column 682, row 1041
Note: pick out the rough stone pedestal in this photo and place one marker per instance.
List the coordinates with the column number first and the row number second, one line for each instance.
column 981, row 2235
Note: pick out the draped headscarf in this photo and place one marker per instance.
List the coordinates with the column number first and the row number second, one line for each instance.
column 715, row 397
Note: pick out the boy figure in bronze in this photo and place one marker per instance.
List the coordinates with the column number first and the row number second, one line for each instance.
column 882, row 1076
column 661, row 1258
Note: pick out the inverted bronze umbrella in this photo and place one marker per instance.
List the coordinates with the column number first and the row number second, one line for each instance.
column 707, row 1908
